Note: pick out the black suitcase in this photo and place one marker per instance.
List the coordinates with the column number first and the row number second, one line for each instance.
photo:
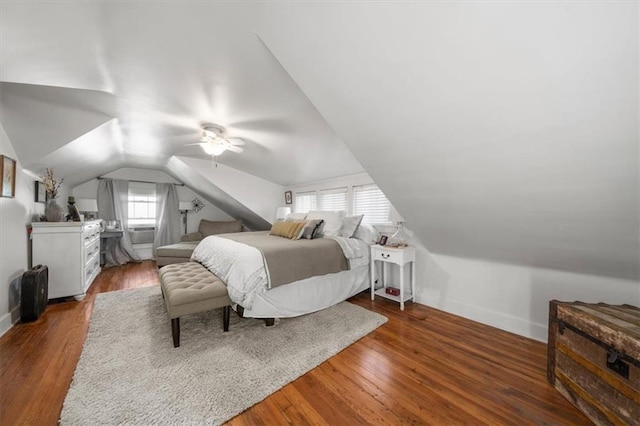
column 34, row 293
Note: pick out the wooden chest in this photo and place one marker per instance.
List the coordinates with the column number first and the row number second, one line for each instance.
column 594, row 359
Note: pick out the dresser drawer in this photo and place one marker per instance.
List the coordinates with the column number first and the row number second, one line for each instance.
column 90, row 233
column 91, row 268
column 91, row 250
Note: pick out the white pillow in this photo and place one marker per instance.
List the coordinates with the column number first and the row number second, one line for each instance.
column 332, row 221
column 367, row 233
column 296, row 216
column 349, row 225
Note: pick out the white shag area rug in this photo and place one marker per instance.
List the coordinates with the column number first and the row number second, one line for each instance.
column 130, row 373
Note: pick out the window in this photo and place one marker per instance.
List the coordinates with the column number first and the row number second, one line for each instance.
column 333, row 199
column 142, row 205
column 305, row 202
column 370, row 201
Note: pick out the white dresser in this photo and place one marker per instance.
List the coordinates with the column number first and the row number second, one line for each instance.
column 71, row 250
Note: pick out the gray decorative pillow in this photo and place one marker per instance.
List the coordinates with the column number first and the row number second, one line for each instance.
column 367, row 233
column 349, row 225
column 311, row 228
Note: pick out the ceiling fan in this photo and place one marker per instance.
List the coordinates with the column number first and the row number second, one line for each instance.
column 214, row 141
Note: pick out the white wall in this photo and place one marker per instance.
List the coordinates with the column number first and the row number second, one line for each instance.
column 510, row 297
column 210, row 212
column 257, row 194
column 15, row 214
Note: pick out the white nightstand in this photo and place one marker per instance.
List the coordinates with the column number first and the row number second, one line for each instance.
column 400, row 257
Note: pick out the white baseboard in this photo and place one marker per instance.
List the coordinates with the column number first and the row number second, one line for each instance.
column 485, row 316
column 8, row 319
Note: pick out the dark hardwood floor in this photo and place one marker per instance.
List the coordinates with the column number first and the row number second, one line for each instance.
column 423, row 367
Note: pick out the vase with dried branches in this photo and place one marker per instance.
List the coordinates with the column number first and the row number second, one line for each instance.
column 52, row 211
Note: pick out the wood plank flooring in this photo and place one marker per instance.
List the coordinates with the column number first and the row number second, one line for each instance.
column 423, row 367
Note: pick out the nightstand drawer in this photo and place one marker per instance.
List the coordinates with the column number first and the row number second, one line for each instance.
column 389, row 255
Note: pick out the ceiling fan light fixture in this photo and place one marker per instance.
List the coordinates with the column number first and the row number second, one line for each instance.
column 212, row 148
column 214, row 141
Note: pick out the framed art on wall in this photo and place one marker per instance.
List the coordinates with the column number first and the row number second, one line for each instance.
column 40, row 192
column 288, row 198
column 8, row 174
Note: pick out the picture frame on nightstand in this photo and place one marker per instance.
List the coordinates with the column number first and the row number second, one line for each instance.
column 383, row 240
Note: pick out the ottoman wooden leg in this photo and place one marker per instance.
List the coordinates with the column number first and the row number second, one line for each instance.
column 175, row 331
column 226, row 313
column 269, row 322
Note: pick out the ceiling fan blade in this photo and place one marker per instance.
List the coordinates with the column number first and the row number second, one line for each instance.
column 236, row 141
column 235, row 148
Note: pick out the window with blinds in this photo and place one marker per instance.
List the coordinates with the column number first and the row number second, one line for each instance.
column 333, row 199
column 372, row 203
column 305, row 202
column 142, row 205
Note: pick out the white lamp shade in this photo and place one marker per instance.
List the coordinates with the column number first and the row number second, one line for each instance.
column 87, row 205
column 185, row 205
column 282, row 212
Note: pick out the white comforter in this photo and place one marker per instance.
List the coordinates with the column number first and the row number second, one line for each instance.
column 243, row 268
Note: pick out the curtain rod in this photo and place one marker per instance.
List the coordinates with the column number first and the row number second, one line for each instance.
column 140, row 181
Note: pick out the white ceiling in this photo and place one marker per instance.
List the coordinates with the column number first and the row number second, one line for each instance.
column 499, row 130
column 157, row 71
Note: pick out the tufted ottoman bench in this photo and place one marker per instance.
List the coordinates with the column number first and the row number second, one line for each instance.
column 189, row 288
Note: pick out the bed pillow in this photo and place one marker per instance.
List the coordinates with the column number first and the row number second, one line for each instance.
column 311, row 228
column 296, row 216
column 367, row 233
column 349, row 225
column 291, row 229
column 209, row 227
column 332, row 222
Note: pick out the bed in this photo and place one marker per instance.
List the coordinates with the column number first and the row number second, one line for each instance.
column 268, row 276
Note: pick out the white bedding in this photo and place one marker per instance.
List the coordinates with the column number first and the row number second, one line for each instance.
column 243, row 268
column 238, row 265
column 309, row 295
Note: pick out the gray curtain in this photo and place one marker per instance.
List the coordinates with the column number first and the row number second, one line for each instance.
column 113, row 199
column 168, row 229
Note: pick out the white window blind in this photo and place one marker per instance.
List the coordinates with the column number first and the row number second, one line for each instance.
column 142, row 204
column 333, row 199
column 305, row 202
column 370, row 201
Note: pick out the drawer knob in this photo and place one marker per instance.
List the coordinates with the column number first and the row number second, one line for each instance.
column 385, row 255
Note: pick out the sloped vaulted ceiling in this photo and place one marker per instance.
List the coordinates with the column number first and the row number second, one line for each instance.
column 158, row 70
column 499, row 130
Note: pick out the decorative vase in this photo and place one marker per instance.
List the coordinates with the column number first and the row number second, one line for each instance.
column 400, row 238
column 53, row 211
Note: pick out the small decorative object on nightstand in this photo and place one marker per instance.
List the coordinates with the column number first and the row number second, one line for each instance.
column 399, row 256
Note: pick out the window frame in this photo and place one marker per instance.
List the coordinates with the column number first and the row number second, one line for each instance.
column 146, row 194
column 349, row 208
